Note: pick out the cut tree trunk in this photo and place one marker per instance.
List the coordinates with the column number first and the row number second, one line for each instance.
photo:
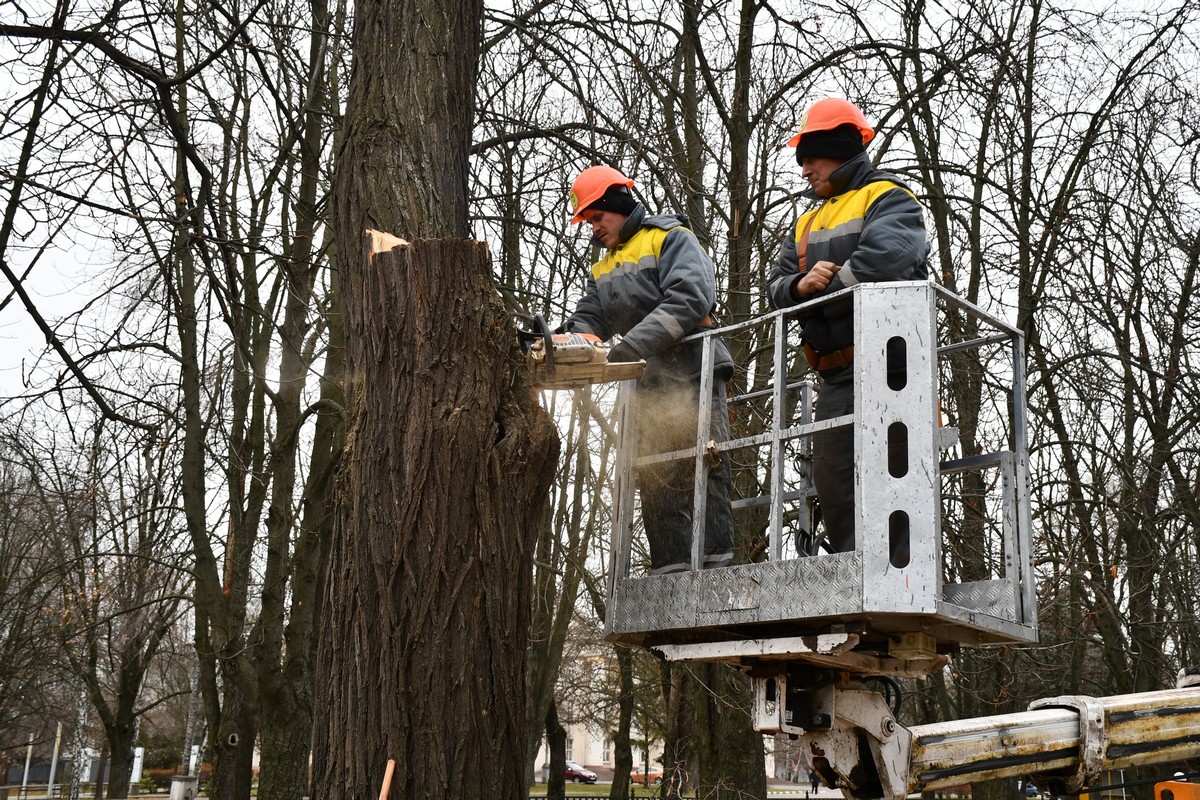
column 444, row 478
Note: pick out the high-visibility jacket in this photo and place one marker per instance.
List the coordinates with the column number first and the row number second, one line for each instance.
column 654, row 288
column 873, row 227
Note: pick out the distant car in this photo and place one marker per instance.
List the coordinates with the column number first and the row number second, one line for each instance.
column 579, row 774
column 1031, row 790
column 654, row 776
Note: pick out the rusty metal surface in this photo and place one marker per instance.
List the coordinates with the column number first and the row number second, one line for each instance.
column 1120, row 731
column 1006, row 745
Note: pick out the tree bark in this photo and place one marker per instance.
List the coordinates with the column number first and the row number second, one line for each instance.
column 448, row 457
column 284, row 747
column 445, row 474
column 731, row 751
column 404, row 165
column 622, row 744
column 556, row 754
column 98, row 788
column 679, row 754
column 120, row 732
column 233, row 745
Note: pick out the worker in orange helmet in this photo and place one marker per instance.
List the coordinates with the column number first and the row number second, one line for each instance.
column 866, row 226
column 655, row 286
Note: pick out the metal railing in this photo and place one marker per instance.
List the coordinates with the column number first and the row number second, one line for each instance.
column 979, row 500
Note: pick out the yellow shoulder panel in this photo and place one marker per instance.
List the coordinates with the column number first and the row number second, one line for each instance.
column 846, row 207
column 646, row 242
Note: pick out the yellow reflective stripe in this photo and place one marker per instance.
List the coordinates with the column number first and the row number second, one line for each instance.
column 646, row 243
column 847, row 207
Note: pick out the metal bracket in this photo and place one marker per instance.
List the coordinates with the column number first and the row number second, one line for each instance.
column 1092, row 740
column 829, row 647
column 913, row 646
column 863, row 732
column 846, row 731
column 768, row 705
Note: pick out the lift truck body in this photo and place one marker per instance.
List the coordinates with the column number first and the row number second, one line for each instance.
column 811, row 628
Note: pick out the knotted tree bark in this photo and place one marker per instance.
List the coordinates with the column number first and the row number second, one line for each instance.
column 446, row 471
column 449, row 457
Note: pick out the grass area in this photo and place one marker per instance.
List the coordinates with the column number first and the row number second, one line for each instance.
column 592, row 790
column 574, row 789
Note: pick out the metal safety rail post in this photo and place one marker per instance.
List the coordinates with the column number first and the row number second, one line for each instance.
column 887, row 606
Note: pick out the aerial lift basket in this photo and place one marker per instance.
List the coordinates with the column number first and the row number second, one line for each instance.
column 889, row 606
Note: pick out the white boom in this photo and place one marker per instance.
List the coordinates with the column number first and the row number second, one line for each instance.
column 1066, row 743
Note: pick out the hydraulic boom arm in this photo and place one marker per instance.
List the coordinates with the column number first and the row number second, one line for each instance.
column 1065, row 742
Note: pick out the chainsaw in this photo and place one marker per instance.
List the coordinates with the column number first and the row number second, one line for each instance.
column 571, row 360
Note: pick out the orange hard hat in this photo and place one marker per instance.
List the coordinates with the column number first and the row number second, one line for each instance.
column 591, row 185
column 827, row 114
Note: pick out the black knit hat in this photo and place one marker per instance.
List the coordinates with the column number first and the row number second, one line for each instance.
column 843, row 143
column 617, row 199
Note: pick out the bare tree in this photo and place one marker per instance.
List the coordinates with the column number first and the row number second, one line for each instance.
column 449, row 457
column 566, row 542
column 108, row 518
column 186, row 148
column 212, row 281
column 29, row 579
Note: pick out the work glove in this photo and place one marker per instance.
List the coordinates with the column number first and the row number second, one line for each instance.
column 622, row 352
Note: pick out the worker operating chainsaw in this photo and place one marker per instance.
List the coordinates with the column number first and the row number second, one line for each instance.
column 653, row 287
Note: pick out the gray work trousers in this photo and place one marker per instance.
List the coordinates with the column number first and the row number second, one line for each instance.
column 667, row 419
column 833, row 464
column 833, row 471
